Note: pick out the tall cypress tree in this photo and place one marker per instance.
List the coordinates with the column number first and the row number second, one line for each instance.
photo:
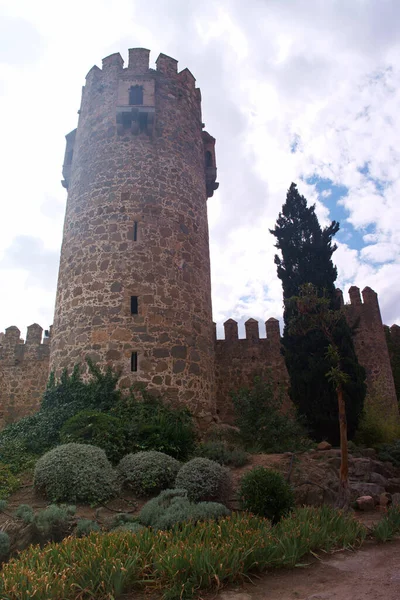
column 307, row 251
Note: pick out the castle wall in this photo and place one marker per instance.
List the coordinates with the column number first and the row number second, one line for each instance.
column 136, row 226
column 372, row 352
column 239, row 361
column 24, row 371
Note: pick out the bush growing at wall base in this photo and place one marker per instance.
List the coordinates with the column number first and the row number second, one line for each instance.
column 266, row 493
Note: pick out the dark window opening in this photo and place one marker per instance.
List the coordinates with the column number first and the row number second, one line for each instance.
column 209, row 159
column 134, row 305
column 136, row 94
column 46, row 333
column 126, row 120
column 134, row 361
column 135, row 225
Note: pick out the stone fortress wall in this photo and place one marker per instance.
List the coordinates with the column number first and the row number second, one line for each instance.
column 134, row 288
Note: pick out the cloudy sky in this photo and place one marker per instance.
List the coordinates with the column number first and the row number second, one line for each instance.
column 293, row 90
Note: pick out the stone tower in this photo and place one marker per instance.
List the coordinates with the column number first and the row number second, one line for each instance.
column 134, row 281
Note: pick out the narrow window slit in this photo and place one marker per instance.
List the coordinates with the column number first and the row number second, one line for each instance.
column 135, row 227
column 134, row 362
column 134, row 305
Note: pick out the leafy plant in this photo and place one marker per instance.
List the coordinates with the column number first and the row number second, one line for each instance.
column 390, row 452
column 97, row 429
column 25, row 513
column 222, row 453
column 204, row 479
column 8, row 482
column 388, row 526
column 183, row 562
column 76, row 473
column 4, row 545
column 263, row 425
column 52, row 523
column 86, row 526
column 154, row 425
column 266, row 493
column 173, row 506
column 147, row 473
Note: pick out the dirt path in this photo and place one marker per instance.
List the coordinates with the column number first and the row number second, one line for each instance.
column 372, row 573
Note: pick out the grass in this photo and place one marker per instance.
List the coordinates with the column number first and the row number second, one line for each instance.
column 388, row 526
column 180, row 563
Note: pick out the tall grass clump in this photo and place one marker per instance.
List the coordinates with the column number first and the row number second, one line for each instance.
column 389, row 526
column 185, row 561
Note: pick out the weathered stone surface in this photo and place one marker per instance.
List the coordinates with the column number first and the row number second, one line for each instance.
column 393, row 485
column 378, row 479
column 324, row 446
column 365, row 503
column 396, row 499
column 360, row 488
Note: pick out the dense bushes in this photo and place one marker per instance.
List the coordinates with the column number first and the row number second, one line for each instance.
column 8, row 482
column 96, row 429
column 215, row 553
column 262, row 424
column 222, row 453
column 390, row 452
column 204, row 479
column 147, row 473
column 173, row 506
column 75, row 473
column 265, row 493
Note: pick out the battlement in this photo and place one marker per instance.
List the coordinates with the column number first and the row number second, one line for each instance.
column 13, row 348
column 139, row 64
column 252, row 331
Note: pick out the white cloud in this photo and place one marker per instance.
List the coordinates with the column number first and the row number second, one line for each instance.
column 290, row 89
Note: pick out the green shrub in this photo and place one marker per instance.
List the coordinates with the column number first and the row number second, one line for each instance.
column 187, row 561
column 25, row 513
column 8, row 482
column 390, row 452
column 86, row 526
column 122, row 519
column 388, row 526
column 263, row 426
column 148, row 473
column 222, row 454
column 131, row 527
column 76, row 473
column 376, row 426
column 204, row 479
column 173, row 506
column 154, row 425
column 53, row 522
column 266, row 493
column 97, row 429
column 4, row 545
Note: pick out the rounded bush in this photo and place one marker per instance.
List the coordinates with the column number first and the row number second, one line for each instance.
column 173, row 506
column 97, row 429
column 204, row 479
column 266, row 493
column 86, row 526
column 76, row 473
column 148, row 473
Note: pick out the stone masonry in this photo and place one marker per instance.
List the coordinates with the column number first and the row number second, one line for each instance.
column 134, row 286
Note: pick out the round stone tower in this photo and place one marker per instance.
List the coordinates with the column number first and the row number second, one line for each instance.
column 134, row 286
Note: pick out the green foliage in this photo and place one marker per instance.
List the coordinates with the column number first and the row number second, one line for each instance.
column 148, row 473
column 132, row 527
column 307, row 251
column 215, row 554
column 76, row 473
column 390, row 452
column 4, row 545
column 122, row 519
column 172, row 507
column 265, row 493
column 262, row 424
column 97, row 429
column 52, row 522
column 204, row 479
column 153, row 425
column 388, row 526
column 222, row 454
column 376, row 429
column 25, row 513
column 86, row 526
column 8, row 482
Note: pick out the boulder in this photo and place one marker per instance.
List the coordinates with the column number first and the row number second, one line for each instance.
column 359, row 488
column 360, row 468
column 393, row 485
column 396, row 499
column 378, row 479
column 365, row 503
column 324, row 446
column 385, row 469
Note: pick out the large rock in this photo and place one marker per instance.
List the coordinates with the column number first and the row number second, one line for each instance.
column 393, row 485
column 360, row 468
column 365, row 503
column 378, row 479
column 324, row 446
column 385, row 469
column 359, row 488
